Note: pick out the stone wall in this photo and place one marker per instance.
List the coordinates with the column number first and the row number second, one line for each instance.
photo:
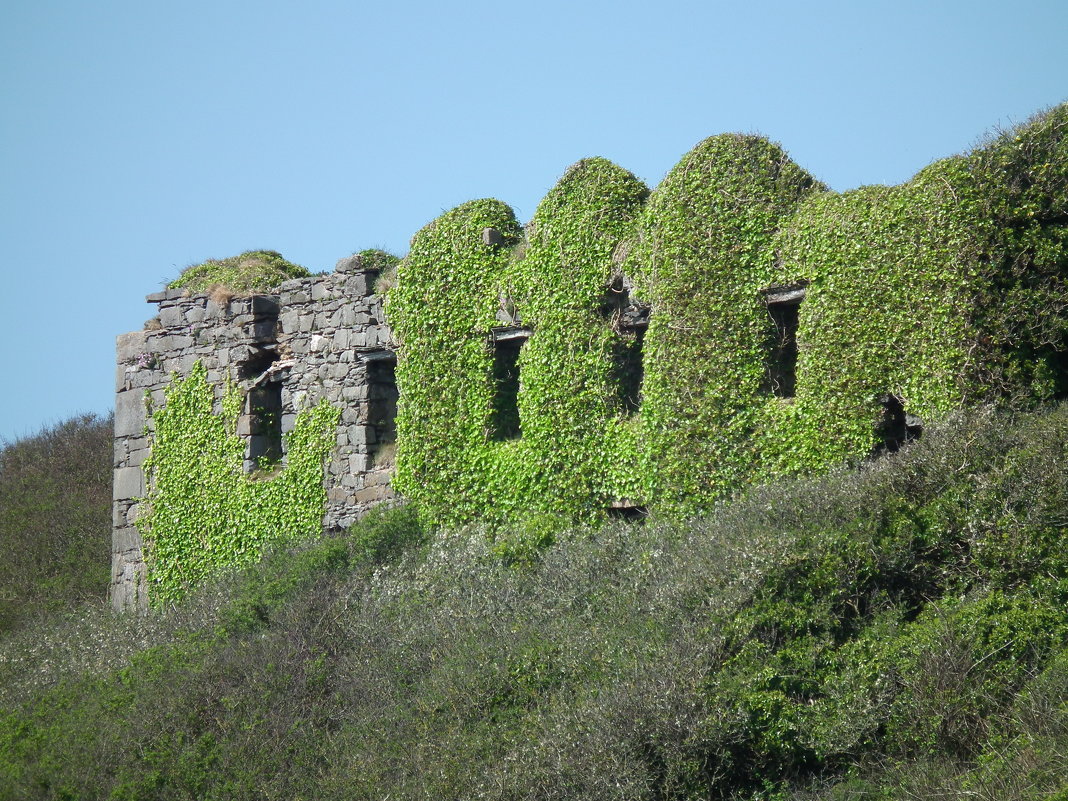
column 319, row 337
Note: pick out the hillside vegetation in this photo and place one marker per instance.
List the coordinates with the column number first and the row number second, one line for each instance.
column 55, row 519
column 894, row 630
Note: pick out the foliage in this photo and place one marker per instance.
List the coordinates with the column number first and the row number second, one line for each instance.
column 245, row 274
column 893, row 631
column 945, row 291
column 205, row 513
column 55, row 519
column 576, row 452
column 703, row 251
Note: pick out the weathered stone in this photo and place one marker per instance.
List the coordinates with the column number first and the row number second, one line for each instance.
column 126, row 538
column 172, row 317
column 129, row 483
column 129, row 413
column 266, row 305
column 348, row 264
column 129, row 346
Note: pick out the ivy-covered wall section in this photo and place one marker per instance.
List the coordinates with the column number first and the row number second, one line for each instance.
column 916, row 299
column 576, row 448
column 205, row 513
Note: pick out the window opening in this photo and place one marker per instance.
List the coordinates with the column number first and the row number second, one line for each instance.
column 261, row 419
column 504, row 415
column 628, row 511
column 382, row 398
column 258, row 363
column 780, row 373
column 629, row 319
column 897, row 427
column 264, row 410
column 628, row 370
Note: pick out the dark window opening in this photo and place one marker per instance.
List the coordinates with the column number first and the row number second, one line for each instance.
column 264, row 410
column 618, row 306
column 261, row 419
column 628, row 371
column 257, row 364
column 382, row 398
column 630, row 512
column 504, row 416
column 897, row 427
column 780, row 373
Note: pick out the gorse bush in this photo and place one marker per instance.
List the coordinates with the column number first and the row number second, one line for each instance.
column 895, row 630
column 55, row 519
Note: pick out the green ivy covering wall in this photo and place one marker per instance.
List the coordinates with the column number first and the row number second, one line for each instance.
column 943, row 291
column 577, row 451
column 205, row 513
column 702, row 254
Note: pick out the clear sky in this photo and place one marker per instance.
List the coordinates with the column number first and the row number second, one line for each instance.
column 140, row 137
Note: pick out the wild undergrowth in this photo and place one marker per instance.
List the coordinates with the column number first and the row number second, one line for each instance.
column 55, row 519
column 896, row 629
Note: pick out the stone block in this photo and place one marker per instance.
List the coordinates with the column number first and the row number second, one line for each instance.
column 171, row 317
column 360, row 284
column 289, row 321
column 349, row 264
column 129, row 413
column 129, row 346
column 370, row 495
column 263, row 331
column 264, row 305
column 129, row 483
column 132, row 514
column 125, row 539
column 320, row 290
column 379, row 478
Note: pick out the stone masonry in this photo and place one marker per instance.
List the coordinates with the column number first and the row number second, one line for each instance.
column 319, row 337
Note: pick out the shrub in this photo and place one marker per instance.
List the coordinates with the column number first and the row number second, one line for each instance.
column 55, row 519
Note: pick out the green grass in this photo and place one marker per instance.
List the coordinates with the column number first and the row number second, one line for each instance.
column 894, row 630
column 245, row 274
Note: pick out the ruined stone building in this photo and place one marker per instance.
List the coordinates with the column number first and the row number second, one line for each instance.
column 318, row 337
column 631, row 349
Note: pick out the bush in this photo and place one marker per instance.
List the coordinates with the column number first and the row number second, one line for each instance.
column 55, row 519
column 838, row 638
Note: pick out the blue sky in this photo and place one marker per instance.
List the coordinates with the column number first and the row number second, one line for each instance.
column 139, row 137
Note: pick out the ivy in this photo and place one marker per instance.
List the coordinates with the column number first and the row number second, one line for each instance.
column 577, row 451
column 205, row 513
column 944, row 291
